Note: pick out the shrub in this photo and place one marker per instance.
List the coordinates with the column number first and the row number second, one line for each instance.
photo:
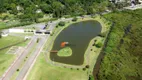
column 93, row 44
column 87, row 66
column 99, row 45
column 67, row 16
column 57, row 26
column 61, row 23
column 91, row 77
column 74, row 19
column 37, row 40
column 17, row 69
column 102, row 34
column 84, row 69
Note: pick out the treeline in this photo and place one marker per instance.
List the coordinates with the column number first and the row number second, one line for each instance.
column 123, row 54
column 27, row 8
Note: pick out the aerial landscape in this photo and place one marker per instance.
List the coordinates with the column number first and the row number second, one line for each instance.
column 70, row 39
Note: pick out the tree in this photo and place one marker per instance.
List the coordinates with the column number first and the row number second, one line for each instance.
column 46, row 8
column 61, row 23
column 99, row 45
column 74, row 19
column 57, row 8
column 87, row 66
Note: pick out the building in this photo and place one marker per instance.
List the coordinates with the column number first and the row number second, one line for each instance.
column 16, row 30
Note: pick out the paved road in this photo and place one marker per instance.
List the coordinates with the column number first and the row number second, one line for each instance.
column 17, row 63
column 32, row 57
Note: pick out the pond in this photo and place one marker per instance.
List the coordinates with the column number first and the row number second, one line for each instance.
column 78, row 35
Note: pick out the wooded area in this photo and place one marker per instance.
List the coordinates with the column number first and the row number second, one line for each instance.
column 27, row 8
column 123, row 58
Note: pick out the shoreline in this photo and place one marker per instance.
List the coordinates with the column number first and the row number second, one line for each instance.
column 104, row 28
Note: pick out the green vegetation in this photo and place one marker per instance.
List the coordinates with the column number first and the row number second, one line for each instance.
column 123, row 58
column 44, row 71
column 2, row 25
column 19, row 13
column 24, row 43
column 6, row 59
column 91, row 77
column 9, row 40
column 61, row 23
column 99, row 44
column 74, row 19
column 65, row 52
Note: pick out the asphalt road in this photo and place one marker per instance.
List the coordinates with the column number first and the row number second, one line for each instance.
column 30, row 60
column 17, row 63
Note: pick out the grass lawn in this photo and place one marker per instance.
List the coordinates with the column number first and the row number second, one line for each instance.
column 65, row 52
column 2, row 25
column 94, row 52
column 24, row 43
column 44, row 71
column 7, row 59
column 9, row 40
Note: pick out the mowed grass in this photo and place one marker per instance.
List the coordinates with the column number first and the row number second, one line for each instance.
column 65, row 52
column 2, row 25
column 45, row 71
column 9, row 40
column 7, row 59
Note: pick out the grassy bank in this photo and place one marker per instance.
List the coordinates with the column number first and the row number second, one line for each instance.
column 96, row 44
column 44, row 71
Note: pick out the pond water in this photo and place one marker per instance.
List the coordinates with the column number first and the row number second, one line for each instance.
column 78, row 35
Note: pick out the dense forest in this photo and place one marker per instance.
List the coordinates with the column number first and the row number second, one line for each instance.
column 27, row 8
column 123, row 54
column 15, row 13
